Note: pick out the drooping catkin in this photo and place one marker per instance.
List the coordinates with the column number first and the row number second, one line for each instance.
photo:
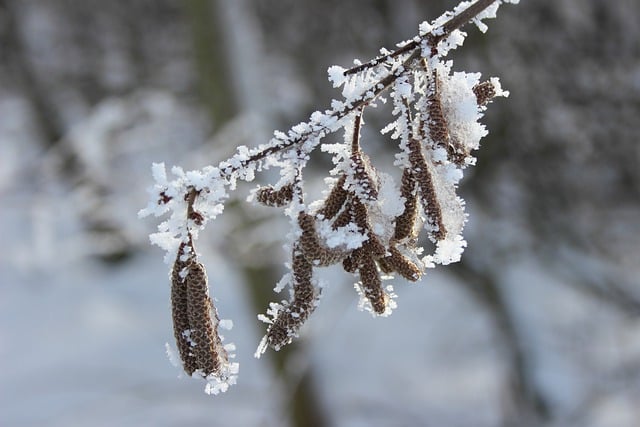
column 312, row 247
column 344, row 218
column 362, row 179
column 484, row 92
column 269, row 196
column 372, row 285
column 439, row 126
column 350, row 263
column 291, row 317
column 203, row 322
column 430, row 203
column 437, row 123
column 195, row 319
column 385, row 266
column 405, row 222
column 372, row 246
column 363, row 260
column 180, row 310
column 334, row 201
column 399, row 263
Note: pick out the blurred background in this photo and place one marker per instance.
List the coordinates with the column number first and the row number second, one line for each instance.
column 538, row 326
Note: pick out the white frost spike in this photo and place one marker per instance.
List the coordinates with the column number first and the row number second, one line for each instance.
column 365, row 305
column 460, row 108
column 220, row 384
column 454, row 217
column 262, row 347
column 336, row 75
column 226, row 324
column 174, row 359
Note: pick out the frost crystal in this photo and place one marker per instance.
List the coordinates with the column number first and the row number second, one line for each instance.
column 366, row 220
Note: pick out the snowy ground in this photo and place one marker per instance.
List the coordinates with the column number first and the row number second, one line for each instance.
column 82, row 344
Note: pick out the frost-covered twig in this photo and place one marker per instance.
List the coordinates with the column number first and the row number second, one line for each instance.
column 366, row 222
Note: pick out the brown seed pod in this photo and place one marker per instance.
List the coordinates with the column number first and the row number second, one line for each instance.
column 401, row 264
column 363, row 180
column 428, row 198
column 195, row 319
column 372, row 246
column 289, row 320
column 179, row 312
column 269, row 196
column 405, row 222
column 484, row 92
column 372, row 285
column 385, row 266
column 207, row 345
column 334, row 201
column 313, row 249
column 350, row 263
column 345, row 218
column 439, row 127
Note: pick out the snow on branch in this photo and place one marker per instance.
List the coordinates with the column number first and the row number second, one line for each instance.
column 367, row 222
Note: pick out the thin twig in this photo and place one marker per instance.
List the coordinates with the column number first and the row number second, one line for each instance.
column 226, row 170
column 445, row 30
column 383, row 58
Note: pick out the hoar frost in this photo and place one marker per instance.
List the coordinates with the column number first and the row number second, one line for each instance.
column 367, row 221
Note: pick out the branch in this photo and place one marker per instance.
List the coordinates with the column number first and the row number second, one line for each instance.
column 361, row 223
column 433, row 37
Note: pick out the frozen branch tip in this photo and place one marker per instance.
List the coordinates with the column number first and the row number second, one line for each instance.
column 367, row 222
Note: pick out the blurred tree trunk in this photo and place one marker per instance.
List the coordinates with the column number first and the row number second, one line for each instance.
column 211, row 61
column 216, row 87
column 525, row 404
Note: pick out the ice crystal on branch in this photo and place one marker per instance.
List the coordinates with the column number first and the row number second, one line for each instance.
column 366, row 222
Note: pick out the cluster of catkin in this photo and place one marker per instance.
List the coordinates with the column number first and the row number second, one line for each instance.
column 366, row 223
column 350, row 202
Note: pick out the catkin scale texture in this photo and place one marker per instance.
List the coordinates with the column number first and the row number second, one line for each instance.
column 428, row 198
column 195, row 319
column 205, row 338
column 179, row 312
column 289, row 320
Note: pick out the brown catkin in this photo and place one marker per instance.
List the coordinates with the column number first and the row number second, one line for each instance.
column 289, row 320
column 439, row 127
column 313, row 249
column 403, row 265
column 195, row 319
column 206, row 343
column 372, row 246
column 360, row 215
column 345, row 218
column 363, row 180
column 179, row 313
column 334, row 201
column 385, row 266
column 372, row 285
column 429, row 200
column 437, row 123
column 269, row 196
column 350, row 263
column 484, row 92
column 405, row 222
